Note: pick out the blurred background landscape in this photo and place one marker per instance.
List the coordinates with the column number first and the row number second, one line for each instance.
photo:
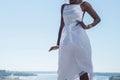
column 47, row 75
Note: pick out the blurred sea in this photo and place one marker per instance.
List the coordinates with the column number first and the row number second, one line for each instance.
column 53, row 76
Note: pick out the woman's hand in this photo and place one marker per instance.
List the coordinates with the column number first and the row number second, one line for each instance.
column 89, row 26
column 83, row 25
column 54, row 48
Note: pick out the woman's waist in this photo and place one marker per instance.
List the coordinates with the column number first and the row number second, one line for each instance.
column 69, row 21
column 72, row 27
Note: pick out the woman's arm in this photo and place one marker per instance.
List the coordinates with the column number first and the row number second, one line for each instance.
column 88, row 8
column 61, row 25
column 60, row 31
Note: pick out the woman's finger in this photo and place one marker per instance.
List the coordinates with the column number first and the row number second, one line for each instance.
column 53, row 48
column 50, row 48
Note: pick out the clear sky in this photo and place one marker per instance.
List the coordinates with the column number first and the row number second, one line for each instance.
column 28, row 28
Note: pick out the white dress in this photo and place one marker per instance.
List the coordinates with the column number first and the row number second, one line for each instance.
column 75, row 49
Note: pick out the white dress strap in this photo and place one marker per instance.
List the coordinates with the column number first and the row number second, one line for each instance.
column 81, row 8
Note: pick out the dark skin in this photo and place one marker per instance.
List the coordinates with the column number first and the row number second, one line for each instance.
column 86, row 7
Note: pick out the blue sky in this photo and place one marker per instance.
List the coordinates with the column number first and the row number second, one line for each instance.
column 29, row 27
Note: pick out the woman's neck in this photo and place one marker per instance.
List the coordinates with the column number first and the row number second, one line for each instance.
column 77, row 2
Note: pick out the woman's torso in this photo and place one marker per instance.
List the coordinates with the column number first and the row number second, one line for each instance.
column 71, row 13
column 72, row 33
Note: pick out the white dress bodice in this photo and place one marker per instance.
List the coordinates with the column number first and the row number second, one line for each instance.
column 71, row 13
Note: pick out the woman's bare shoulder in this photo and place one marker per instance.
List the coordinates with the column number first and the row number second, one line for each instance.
column 63, row 5
column 86, row 4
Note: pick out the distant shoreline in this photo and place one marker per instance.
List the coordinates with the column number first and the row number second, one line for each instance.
column 33, row 73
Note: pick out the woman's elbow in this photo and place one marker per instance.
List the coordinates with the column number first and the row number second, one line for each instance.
column 98, row 20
